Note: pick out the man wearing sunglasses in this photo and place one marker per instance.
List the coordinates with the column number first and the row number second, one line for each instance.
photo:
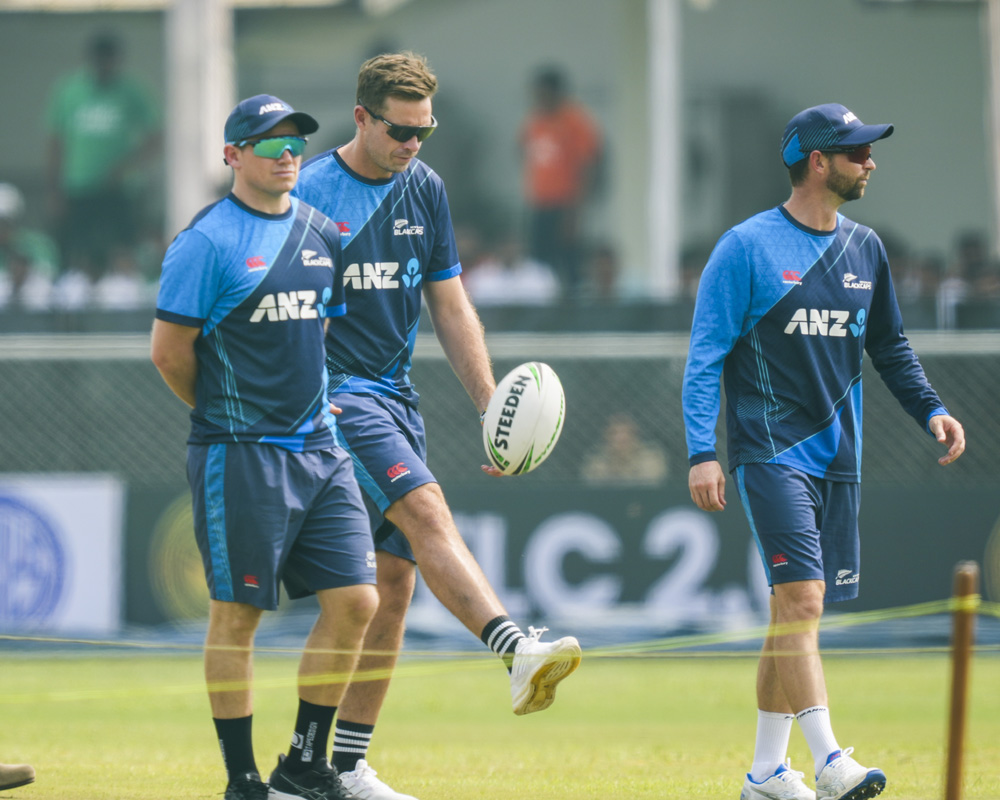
column 395, row 225
column 245, row 294
column 788, row 304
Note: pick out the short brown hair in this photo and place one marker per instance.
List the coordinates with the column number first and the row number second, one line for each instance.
column 798, row 171
column 406, row 75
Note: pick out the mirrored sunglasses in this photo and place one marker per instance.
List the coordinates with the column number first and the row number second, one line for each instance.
column 403, row 133
column 274, row 146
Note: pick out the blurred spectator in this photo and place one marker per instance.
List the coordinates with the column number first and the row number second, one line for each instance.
column 918, row 277
column 624, row 457
column 605, row 282
column 102, row 129
column 507, row 276
column 602, row 283
column 122, row 287
column 957, row 285
column 28, row 257
column 561, row 151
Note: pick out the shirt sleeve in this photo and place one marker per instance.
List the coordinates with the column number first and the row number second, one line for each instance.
column 189, row 281
column 721, row 308
column 444, row 257
column 893, row 357
column 336, row 306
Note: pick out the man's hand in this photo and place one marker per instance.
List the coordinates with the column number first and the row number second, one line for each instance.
column 708, row 486
column 948, row 431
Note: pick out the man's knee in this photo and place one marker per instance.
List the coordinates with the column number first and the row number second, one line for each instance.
column 799, row 599
column 232, row 622
column 349, row 606
column 421, row 512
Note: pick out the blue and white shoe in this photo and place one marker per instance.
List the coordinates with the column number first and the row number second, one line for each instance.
column 784, row 784
column 843, row 778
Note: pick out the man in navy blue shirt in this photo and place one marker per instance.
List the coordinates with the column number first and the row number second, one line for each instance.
column 399, row 248
column 245, row 295
column 788, row 304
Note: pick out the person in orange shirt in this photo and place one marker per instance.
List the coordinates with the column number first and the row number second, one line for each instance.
column 561, row 149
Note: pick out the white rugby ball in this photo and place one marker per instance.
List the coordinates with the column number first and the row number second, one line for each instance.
column 524, row 418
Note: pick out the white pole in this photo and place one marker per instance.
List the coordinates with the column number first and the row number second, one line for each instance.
column 200, row 94
column 665, row 148
column 992, row 28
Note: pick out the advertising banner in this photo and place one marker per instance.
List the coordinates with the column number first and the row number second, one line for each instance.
column 637, row 559
column 60, row 553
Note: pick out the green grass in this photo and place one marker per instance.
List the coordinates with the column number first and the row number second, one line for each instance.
column 139, row 728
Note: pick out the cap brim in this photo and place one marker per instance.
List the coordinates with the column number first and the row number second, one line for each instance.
column 866, row 134
column 303, row 122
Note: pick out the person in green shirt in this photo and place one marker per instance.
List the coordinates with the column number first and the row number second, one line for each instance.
column 103, row 127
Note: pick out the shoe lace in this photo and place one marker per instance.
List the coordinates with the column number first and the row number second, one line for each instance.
column 534, row 634
column 789, row 774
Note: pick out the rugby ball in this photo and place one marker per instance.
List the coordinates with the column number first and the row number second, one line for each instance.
column 524, row 418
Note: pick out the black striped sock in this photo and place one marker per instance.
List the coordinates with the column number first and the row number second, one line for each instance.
column 350, row 744
column 501, row 635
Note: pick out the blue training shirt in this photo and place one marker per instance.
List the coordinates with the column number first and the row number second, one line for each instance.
column 259, row 287
column 396, row 233
column 785, row 314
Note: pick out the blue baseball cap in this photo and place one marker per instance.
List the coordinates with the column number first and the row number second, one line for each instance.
column 826, row 127
column 261, row 113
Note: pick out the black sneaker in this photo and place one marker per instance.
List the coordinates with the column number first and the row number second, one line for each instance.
column 319, row 782
column 246, row 787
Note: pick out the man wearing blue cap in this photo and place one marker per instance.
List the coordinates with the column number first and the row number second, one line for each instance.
column 788, row 304
column 245, row 294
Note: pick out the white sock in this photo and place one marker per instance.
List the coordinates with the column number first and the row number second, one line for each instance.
column 815, row 723
column 773, row 730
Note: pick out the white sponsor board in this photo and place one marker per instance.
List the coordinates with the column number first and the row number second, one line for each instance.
column 60, row 553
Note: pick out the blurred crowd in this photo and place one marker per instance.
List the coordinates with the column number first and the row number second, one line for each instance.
column 98, row 242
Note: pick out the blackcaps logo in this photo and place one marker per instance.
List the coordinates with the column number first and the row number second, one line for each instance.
column 310, row 258
column 402, row 227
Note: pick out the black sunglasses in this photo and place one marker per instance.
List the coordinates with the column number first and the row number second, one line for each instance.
column 403, row 133
column 859, row 154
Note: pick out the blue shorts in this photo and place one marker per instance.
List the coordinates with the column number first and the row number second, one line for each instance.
column 806, row 527
column 263, row 514
column 387, row 443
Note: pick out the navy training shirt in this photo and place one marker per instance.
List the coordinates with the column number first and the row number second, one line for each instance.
column 259, row 287
column 785, row 313
column 396, row 233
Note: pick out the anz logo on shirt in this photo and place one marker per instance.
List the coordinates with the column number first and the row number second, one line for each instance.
column 283, row 306
column 382, row 275
column 825, row 322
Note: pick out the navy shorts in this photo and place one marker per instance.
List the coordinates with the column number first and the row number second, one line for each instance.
column 264, row 514
column 806, row 527
column 387, row 443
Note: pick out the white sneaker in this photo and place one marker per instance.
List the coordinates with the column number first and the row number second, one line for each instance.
column 361, row 784
column 843, row 778
column 538, row 668
column 784, row 784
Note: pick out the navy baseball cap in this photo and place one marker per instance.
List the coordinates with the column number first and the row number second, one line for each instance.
column 261, row 113
column 826, row 127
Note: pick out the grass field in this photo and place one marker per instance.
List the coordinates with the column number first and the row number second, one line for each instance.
column 139, row 728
